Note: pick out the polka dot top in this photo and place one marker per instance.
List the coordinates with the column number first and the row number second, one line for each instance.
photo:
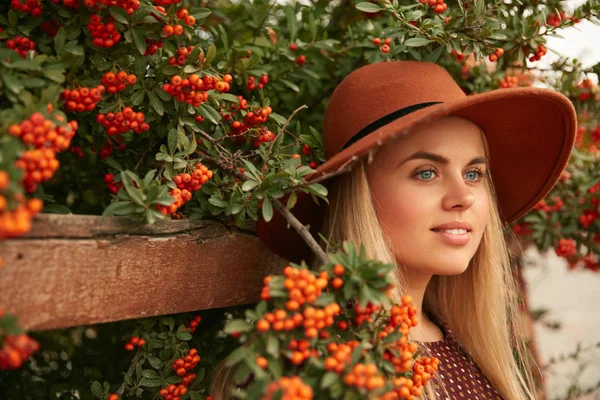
column 461, row 376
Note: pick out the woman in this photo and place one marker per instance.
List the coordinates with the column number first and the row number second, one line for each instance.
column 436, row 176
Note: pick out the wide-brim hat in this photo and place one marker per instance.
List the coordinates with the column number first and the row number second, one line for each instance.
column 530, row 132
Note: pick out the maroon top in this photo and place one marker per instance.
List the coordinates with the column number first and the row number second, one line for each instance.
column 461, row 376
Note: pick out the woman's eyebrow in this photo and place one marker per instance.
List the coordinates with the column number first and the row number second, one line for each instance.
column 440, row 159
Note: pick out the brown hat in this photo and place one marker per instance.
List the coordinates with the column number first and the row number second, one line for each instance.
column 530, row 132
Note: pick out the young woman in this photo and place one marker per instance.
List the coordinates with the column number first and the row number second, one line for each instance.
column 436, row 175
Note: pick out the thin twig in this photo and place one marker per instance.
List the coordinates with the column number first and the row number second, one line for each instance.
column 302, row 231
column 257, row 30
column 144, row 155
column 287, row 122
column 134, row 362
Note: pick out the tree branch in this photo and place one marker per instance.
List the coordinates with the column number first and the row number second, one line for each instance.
column 302, row 231
column 264, row 166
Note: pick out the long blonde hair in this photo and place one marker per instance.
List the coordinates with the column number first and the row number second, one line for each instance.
column 480, row 305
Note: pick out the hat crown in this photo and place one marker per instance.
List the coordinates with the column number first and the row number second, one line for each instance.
column 376, row 90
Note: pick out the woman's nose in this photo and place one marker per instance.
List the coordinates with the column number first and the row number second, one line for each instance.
column 458, row 194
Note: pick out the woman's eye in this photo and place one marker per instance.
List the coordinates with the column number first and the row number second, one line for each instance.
column 426, row 175
column 475, row 174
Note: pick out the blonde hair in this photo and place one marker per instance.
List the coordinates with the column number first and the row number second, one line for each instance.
column 480, row 305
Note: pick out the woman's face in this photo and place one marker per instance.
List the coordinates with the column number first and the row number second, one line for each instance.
column 430, row 178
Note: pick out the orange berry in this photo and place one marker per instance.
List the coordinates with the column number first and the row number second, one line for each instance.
column 262, row 326
column 4, row 180
column 177, row 30
column 168, row 30
column 338, row 269
column 262, row 362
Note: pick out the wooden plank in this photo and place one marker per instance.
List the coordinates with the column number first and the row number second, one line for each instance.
column 73, row 269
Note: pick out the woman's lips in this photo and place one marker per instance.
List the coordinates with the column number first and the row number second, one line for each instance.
column 453, row 239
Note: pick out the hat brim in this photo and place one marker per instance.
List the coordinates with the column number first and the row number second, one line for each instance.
column 530, row 132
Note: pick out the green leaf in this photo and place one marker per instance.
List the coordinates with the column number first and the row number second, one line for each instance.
column 184, row 336
column 281, row 120
column 97, row 390
column 267, row 209
column 55, row 75
column 211, row 53
column 210, row 113
column 368, row 7
column 172, row 140
column 56, row 209
column 290, row 15
column 151, row 374
column 237, row 325
column 329, row 379
column 120, row 15
column 119, row 208
column 156, row 103
column 289, row 84
column 292, row 200
column 135, row 194
column 416, row 42
column 139, row 40
column 150, row 382
column 237, row 355
column 272, row 346
column 249, row 185
column 113, row 164
column 230, row 97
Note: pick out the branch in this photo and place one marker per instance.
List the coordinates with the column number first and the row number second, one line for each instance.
column 134, row 362
column 302, row 231
column 264, row 166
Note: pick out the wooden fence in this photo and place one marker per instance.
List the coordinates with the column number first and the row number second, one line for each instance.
column 75, row 269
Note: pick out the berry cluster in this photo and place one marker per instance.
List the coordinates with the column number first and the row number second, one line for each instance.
column 385, row 48
column 166, row 2
column 77, row 151
column 302, row 286
column 189, row 362
column 50, row 28
column 300, row 60
column 113, row 186
column 301, row 351
column 566, row 248
column 16, row 350
column 152, row 46
column 586, row 89
column 557, row 20
column 117, row 82
column 104, row 35
column 409, row 388
column 365, row 314
column 251, row 119
column 183, row 14
column 193, row 324
column 497, row 54
column 539, row 53
column 17, row 222
column 39, row 166
column 181, row 197
column 82, row 99
column 170, row 30
column 364, row 376
column 108, row 147
column 195, row 180
column 31, row 7
column 193, row 90
column 251, row 85
column 130, row 6
column 123, row 122
column 68, row 3
column 182, row 54
column 438, row 5
column 134, row 341
column 290, row 388
column 341, row 355
column 21, row 45
column 588, row 217
column 45, row 133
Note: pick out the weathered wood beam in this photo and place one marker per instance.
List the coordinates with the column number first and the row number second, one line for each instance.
column 78, row 269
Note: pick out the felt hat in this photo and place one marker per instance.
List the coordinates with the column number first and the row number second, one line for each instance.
column 530, row 132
